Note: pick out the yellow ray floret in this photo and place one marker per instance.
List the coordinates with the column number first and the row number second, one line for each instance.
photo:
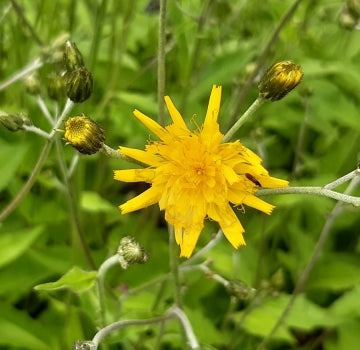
column 193, row 176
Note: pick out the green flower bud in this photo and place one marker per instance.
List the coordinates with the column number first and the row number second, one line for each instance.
column 84, row 134
column 55, row 51
column 14, row 122
column 83, row 345
column 79, row 84
column 32, row 84
column 56, row 87
column 240, row 290
column 130, row 252
column 279, row 80
column 72, row 57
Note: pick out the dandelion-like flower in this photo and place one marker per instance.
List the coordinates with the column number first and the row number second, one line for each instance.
column 194, row 176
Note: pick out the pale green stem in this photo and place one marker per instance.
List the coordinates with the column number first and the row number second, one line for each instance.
column 174, row 265
column 193, row 342
column 110, row 152
column 313, row 190
column 21, row 74
column 13, row 204
column 342, row 179
column 105, row 266
column 36, row 130
column 161, row 62
column 305, row 275
column 250, row 111
column 44, row 109
column 104, row 332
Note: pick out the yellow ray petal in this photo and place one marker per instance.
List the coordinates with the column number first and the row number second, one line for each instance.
column 174, row 113
column 178, row 230
column 190, row 238
column 143, row 200
column 134, row 175
column 151, row 124
column 213, row 106
column 258, row 204
column 229, row 223
column 272, row 182
column 141, row 156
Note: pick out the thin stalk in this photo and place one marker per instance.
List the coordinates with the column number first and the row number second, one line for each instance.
column 161, row 74
column 174, row 266
column 43, row 155
column 249, row 112
column 36, row 130
column 313, row 190
column 36, row 64
column 104, row 332
column 305, row 275
column 113, row 260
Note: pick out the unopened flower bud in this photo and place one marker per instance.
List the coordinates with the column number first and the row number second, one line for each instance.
column 240, row 290
column 353, row 7
column 72, row 57
column 83, row 345
column 279, row 80
column 32, row 84
column 79, row 84
column 84, row 134
column 278, row 279
column 54, row 52
column 131, row 252
column 13, row 122
column 56, row 87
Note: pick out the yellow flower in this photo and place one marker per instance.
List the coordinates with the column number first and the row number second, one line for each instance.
column 194, row 176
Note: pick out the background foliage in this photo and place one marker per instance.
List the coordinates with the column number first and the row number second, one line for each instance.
column 311, row 138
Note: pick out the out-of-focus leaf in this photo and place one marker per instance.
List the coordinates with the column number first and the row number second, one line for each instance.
column 13, row 244
column 10, row 158
column 76, row 279
column 334, row 274
column 20, row 331
column 93, row 202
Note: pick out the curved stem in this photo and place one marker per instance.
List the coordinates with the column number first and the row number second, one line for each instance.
column 319, row 191
column 113, row 260
column 193, row 342
column 104, row 332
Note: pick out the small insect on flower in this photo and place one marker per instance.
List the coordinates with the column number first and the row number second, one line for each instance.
column 279, row 80
column 194, row 176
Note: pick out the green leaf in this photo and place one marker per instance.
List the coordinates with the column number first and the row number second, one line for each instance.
column 13, row 244
column 10, row 157
column 76, row 279
column 334, row 273
column 92, row 202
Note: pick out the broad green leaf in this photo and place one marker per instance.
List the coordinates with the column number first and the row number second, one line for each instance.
column 348, row 305
column 76, row 279
column 92, row 202
column 10, row 157
column 13, row 244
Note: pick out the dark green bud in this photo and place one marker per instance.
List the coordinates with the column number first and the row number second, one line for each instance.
column 14, row 122
column 79, row 84
column 56, row 87
column 72, row 57
column 131, row 252
column 240, row 290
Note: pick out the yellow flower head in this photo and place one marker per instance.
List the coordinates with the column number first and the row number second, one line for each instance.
column 194, row 176
column 279, row 80
column 84, row 134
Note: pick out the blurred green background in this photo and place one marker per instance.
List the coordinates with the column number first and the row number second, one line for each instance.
column 311, row 137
